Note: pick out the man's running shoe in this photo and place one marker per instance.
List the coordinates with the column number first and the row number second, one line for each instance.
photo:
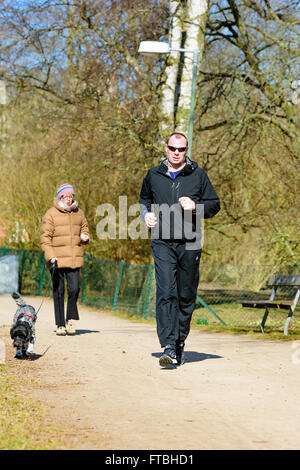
column 168, row 356
column 179, row 352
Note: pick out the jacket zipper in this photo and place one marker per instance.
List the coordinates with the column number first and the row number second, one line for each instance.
column 175, row 191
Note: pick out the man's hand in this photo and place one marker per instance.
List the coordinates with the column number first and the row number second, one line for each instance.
column 150, row 219
column 187, row 204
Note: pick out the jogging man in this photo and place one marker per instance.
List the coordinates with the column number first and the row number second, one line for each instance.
column 180, row 192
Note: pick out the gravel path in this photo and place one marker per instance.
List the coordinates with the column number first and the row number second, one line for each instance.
column 107, row 390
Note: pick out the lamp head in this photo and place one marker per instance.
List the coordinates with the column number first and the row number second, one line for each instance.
column 153, row 48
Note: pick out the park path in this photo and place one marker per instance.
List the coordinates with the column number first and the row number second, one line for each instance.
column 105, row 387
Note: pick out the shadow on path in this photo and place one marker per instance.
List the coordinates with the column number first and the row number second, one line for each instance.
column 84, row 332
column 194, row 356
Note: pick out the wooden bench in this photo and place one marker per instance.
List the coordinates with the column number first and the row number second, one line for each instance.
column 278, row 280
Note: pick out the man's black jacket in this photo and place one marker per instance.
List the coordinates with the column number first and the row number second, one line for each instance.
column 159, row 188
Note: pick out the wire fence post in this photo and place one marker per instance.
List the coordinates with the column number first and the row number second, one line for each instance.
column 204, row 304
column 117, row 290
column 22, row 269
column 42, row 272
column 85, row 277
column 144, row 314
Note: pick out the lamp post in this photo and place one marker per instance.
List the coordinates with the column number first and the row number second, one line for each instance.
column 153, row 48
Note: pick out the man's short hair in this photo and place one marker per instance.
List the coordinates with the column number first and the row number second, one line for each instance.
column 179, row 134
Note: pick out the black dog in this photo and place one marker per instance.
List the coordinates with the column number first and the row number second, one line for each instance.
column 23, row 329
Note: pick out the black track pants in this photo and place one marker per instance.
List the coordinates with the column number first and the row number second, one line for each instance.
column 177, row 277
column 72, row 278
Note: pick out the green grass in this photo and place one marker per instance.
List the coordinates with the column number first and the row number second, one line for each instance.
column 247, row 321
column 238, row 320
column 22, row 423
column 269, row 334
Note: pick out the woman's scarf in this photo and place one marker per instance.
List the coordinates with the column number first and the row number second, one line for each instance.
column 70, row 208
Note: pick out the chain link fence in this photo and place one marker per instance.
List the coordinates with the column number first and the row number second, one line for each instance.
column 126, row 287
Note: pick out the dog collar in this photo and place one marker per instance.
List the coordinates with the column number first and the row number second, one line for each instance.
column 27, row 315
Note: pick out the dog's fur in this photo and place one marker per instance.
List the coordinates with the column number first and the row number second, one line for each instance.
column 23, row 329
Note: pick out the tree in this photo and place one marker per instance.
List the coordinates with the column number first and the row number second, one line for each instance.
column 84, row 107
column 78, row 108
column 186, row 31
column 248, row 123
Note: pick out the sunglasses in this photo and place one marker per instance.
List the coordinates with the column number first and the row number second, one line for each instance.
column 173, row 149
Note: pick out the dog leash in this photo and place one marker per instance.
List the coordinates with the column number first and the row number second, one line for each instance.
column 51, row 269
column 40, row 306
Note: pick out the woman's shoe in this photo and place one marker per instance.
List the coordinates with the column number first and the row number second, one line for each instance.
column 70, row 328
column 61, row 331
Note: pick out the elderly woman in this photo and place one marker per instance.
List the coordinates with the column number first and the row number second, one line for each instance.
column 64, row 231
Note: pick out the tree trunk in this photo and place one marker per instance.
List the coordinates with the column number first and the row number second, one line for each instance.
column 171, row 71
column 187, row 28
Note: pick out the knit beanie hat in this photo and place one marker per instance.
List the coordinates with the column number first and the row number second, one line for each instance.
column 64, row 189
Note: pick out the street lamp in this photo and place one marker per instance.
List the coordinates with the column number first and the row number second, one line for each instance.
column 152, row 48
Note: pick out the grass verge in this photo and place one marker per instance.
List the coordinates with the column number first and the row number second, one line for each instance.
column 269, row 334
column 22, row 423
column 239, row 321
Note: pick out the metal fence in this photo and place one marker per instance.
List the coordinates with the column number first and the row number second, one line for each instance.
column 126, row 287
